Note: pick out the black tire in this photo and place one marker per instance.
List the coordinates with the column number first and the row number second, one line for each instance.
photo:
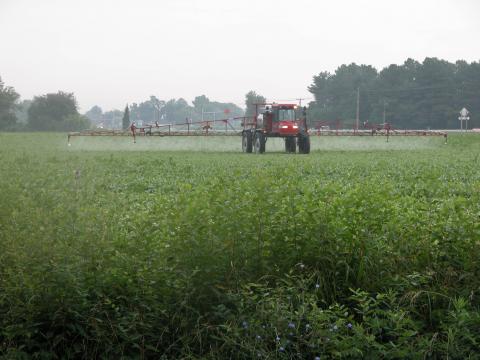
column 304, row 144
column 290, row 145
column 247, row 142
column 259, row 144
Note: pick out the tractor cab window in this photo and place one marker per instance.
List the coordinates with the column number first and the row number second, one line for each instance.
column 286, row 115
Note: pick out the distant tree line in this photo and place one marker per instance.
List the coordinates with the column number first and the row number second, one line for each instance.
column 50, row 112
column 412, row 95
column 174, row 111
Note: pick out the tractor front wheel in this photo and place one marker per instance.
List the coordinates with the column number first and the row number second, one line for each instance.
column 247, row 142
column 304, row 144
column 259, row 143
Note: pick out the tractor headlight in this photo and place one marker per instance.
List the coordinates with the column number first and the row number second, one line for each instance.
column 295, row 126
column 284, row 127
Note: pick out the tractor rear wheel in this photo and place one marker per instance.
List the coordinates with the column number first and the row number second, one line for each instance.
column 247, row 142
column 259, row 143
column 290, row 144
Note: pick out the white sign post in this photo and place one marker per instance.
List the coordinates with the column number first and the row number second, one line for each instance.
column 464, row 117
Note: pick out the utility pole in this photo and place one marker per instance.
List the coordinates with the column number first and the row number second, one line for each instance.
column 358, row 109
column 384, row 105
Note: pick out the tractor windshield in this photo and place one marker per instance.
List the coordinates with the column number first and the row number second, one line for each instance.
column 286, row 115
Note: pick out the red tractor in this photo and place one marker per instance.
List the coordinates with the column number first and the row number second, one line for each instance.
column 287, row 121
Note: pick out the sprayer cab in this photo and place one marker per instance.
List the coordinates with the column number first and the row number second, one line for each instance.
column 284, row 119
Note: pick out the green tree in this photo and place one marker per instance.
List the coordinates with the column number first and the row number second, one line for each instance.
column 126, row 118
column 252, row 98
column 335, row 94
column 148, row 111
column 21, row 111
column 176, row 111
column 75, row 122
column 157, row 107
column 113, row 119
column 8, row 99
column 95, row 114
column 435, row 104
column 49, row 112
column 201, row 103
column 467, row 79
column 412, row 95
column 393, row 96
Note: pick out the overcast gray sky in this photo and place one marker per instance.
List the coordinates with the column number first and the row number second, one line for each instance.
column 111, row 53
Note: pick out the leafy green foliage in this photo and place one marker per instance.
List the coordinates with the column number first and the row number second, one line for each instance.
column 75, row 122
column 56, row 112
column 413, row 95
column 292, row 321
column 179, row 110
column 95, row 115
column 8, row 99
column 21, row 112
column 148, row 254
column 126, row 118
column 172, row 111
column 252, row 98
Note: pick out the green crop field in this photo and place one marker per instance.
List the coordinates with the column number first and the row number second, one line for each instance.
column 187, row 248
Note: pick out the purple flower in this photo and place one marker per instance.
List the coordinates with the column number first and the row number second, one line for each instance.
column 291, row 325
column 277, row 338
column 244, row 324
column 259, row 337
column 317, row 286
column 349, row 325
column 282, row 349
column 317, row 357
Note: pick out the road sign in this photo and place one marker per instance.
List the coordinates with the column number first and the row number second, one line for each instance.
column 464, row 112
column 464, row 117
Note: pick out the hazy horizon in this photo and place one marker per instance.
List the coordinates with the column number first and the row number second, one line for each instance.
column 110, row 53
